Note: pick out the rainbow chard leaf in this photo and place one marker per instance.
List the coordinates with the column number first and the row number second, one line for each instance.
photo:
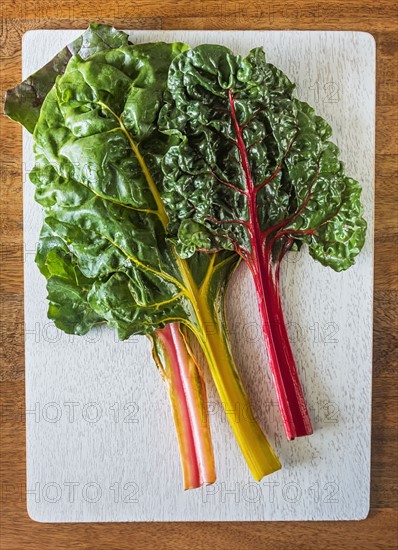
column 68, row 288
column 255, row 172
column 104, row 246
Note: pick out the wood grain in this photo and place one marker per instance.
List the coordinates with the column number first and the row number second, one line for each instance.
column 380, row 529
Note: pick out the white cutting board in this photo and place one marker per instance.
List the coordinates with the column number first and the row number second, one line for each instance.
column 100, row 436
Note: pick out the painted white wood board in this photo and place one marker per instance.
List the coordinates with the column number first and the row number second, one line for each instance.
column 100, row 436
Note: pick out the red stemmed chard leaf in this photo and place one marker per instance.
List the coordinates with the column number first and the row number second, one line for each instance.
column 255, row 172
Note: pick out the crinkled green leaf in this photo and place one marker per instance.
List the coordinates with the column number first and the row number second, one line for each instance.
column 298, row 183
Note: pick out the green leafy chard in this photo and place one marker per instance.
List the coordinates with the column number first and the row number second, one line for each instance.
column 68, row 287
column 255, row 172
column 104, row 247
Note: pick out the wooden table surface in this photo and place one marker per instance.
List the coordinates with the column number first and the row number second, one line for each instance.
column 379, row 530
